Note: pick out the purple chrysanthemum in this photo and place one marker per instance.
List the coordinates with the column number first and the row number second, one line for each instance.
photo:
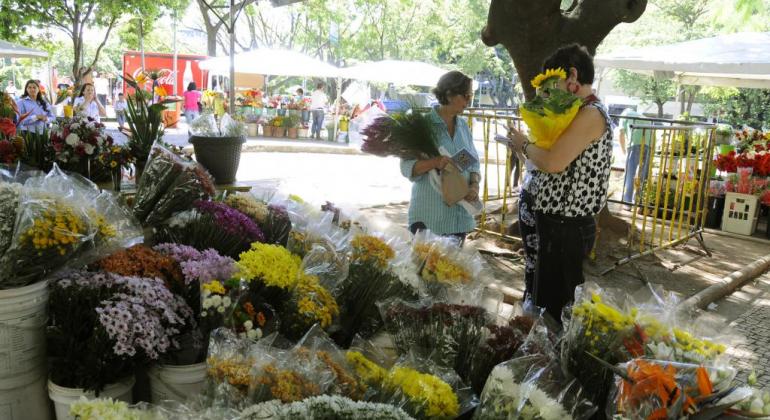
column 231, row 220
column 203, row 266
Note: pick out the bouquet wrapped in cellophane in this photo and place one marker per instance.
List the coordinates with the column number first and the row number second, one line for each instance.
column 416, row 385
column 406, row 136
column 551, row 111
column 442, row 264
column 380, row 269
column 169, row 184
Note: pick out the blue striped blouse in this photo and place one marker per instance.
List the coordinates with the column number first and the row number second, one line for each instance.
column 426, row 204
column 31, row 123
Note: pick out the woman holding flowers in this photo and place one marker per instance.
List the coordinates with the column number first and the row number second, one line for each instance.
column 569, row 184
column 88, row 105
column 427, row 209
column 38, row 110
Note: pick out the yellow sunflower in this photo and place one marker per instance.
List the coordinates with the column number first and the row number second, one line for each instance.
column 549, row 73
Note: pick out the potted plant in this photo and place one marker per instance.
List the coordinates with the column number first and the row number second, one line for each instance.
column 102, row 326
column 252, row 124
column 267, row 128
column 218, row 146
column 278, row 128
column 302, row 130
column 144, row 120
column 290, row 123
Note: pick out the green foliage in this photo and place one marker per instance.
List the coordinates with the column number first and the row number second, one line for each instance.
column 414, row 131
column 648, row 89
column 144, row 121
column 740, row 107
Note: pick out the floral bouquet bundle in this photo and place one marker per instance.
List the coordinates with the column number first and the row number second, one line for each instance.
column 752, row 402
column 418, row 387
column 107, row 408
column 652, row 389
column 727, row 162
column 446, row 333
column 323, row 247
column 372, row 277
column 598, row 328
column 10, row 194
column 143, row 261
column 499, row 344
column 273, row 219
column 48, row 233
column 169, row 184
column 552, row 110
column 406, row 136
column 200, row 267
column 324, row 407
column 443, row 264
column 79, row 139
column 285, row 376
column 532, row 387
column 212, row 224
column 310, row 303
column 228, row 367
column 102, row 325
column 116, row 157
column 10, row 151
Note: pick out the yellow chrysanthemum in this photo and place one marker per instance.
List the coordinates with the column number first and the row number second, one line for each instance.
column 367, row 248
column 315, row 302
column 434, row 396
column 367, row 370
column 541, row 78
column 214, row 287
column 272, row 264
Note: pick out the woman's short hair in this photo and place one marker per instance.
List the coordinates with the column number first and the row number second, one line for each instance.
column 573, row 55
column 450, row 84
column 320, row 85
column 192, row 86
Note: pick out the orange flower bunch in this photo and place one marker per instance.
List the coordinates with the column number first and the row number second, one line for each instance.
column 142, row 261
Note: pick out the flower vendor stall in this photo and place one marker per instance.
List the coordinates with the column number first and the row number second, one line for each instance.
column 246, row 306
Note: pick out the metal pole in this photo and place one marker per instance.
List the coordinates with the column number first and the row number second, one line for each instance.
column 232, row 56
column 141, row 44
column 175, row 73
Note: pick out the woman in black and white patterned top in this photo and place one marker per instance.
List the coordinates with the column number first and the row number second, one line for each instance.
column 569, row 185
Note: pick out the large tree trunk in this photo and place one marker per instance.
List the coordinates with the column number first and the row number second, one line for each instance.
column 532, row 30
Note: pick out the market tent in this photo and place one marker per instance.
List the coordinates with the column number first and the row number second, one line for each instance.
column 736, row 60
column 397, row 72
column 271, row 62
column 9, row 50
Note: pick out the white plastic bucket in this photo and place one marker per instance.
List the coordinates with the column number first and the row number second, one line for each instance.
column 24, row 397
column 176, row 383
column 63, row 397
column 23, row 316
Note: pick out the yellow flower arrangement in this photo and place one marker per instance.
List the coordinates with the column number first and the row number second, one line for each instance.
column 235, row 372
column 367, row 248
column 599, row 319
column 541, row 78
column 315, row 303
column 249, row 206
column 214, row 287
column 274, row 265
column 57, row 227
column 685, row 341
column 286, row 385
column 367, row 370
column 440, row 268
column 160, row 91
column 435, row 397
column 104, row 229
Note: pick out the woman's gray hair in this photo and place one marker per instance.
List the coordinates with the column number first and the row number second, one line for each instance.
column 450, row 84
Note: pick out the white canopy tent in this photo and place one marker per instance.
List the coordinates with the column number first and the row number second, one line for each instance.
column 734, row 60
column 271, row 62
column 8, row 50
column 395, row 71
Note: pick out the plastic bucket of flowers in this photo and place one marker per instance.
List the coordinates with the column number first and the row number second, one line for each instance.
column 176, row 383
column 218, row 145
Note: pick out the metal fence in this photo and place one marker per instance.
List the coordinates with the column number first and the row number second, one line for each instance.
column 669, row 203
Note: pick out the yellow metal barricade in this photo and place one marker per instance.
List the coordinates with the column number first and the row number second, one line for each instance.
column 672, row 194
column 500, row 172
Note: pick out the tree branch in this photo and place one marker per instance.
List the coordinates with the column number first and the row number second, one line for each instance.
column 113, row 20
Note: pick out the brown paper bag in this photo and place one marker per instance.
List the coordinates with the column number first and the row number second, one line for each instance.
column 454, row 187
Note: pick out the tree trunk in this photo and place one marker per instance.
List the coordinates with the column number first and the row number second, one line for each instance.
column 532, row 30
column 660, row 108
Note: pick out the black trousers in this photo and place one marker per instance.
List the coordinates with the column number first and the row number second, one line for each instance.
column 564, row 242
column 528, row 230
column 418, row 226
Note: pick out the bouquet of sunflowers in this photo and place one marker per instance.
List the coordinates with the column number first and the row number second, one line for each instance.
column 552, row 110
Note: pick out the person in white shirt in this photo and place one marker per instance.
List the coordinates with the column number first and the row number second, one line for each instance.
column 11, row 89
column 87, row 105
column 120, row 110
column 318, row 101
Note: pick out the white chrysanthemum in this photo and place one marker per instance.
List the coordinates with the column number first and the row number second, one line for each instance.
column 226, row 301
column 248, row 325
column 548, row 408
column 89, row 148
column 252, row 334
column 72, row 139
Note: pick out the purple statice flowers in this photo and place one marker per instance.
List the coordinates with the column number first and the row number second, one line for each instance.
column 231, row 220
column 203, row 266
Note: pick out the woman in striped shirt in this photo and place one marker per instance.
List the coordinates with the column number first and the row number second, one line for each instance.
column 427, row 209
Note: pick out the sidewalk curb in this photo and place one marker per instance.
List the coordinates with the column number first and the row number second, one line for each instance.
column 727, row 284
